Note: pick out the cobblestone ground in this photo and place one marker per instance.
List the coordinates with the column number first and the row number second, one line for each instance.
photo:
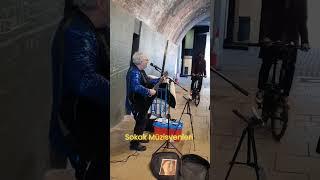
column 294, row 157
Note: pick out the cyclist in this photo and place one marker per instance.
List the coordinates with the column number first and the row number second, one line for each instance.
column 198, row 71
column 285, row 21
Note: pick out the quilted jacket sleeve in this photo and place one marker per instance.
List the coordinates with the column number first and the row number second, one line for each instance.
column 136, row 86
column 81, row 75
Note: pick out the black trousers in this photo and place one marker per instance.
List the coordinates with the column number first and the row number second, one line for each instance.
column 268, row 57
column 94, row 167
column 193, row 81
column 141, row 121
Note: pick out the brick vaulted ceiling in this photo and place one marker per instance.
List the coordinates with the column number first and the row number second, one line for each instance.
column 173, row 18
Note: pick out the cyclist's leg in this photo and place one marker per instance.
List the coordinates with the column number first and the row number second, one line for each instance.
column 200, row 83
column 263, row 78
column 196, row 83
column 192, row 83
column 267, row 59
column 289, row 72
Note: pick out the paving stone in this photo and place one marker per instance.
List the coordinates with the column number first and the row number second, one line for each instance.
column 291, row 158
column 288, row 176
column 285, row 163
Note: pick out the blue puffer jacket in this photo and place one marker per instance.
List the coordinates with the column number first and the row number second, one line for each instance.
column 82, row 77
column 135, row 84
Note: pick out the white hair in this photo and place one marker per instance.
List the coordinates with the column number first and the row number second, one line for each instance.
column 85, row 4
column 138, row 57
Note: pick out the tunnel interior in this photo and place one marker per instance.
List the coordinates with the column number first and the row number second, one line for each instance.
column 147, row 26
column 173, row 18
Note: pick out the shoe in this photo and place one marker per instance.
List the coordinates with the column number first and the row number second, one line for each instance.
column 259, row 97
column 137, row 147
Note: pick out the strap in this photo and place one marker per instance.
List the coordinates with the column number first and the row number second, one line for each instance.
column 144, row 78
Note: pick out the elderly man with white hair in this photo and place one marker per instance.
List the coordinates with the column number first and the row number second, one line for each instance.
column 138, row 85
column 80, row 108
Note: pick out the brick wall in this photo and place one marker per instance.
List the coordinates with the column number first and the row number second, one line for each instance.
column 170, row 18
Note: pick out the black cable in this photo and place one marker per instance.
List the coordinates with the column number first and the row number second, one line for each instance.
column 126, row 159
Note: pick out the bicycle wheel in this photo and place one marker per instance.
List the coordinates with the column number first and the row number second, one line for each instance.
column 279, row 122
column 197, row 99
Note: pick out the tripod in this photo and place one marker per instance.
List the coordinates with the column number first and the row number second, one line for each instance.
column 188, row 109
column 251, row 145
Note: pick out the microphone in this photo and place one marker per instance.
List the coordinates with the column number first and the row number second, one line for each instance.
column 155, row 66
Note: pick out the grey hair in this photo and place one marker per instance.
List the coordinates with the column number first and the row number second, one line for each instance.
column 138, row 57
column 85, row 4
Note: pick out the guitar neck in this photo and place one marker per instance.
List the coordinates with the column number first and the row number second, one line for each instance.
column 156, row 87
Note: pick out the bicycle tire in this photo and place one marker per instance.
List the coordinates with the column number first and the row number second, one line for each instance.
column 278, row 133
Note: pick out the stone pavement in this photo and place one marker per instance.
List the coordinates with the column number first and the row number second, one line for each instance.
column 294, row 157
column 137, row 167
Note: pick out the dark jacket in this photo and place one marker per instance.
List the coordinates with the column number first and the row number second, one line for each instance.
column 80, row 85
column 284, row 20
column 199, row 66
column 137, row 82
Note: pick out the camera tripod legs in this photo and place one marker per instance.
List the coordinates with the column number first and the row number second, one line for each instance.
column 166, row 145
column 187, row 107
column 251, row 144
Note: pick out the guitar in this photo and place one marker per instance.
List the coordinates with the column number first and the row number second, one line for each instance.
column 143, row 103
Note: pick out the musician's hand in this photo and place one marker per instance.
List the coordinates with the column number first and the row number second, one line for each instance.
column 152, row 92
column 162, row 78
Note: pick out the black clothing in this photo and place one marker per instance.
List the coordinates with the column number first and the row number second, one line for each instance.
column 198, row 68
column 289, row 64
column 193, row 81
column 286, row 21
column 80, row 96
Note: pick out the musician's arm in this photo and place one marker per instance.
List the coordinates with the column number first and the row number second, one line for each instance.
column 136, row 86
column 80, row 69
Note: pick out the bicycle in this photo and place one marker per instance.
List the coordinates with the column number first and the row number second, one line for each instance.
column 272, row 106
column 196, row 89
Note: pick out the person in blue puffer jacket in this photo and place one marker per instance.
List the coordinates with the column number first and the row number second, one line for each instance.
column 79, row 123
column 138, row 83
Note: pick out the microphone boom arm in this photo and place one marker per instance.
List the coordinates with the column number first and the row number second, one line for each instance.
column 160, row 70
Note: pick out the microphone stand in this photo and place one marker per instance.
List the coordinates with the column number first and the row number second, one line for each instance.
column 243, row 91
column 249, row 130
column 167, row 143
column 159, row 70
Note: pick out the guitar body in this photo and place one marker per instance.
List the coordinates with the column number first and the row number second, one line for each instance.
column 141, row 103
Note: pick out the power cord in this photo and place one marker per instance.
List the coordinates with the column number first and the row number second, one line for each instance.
column 126, row 159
